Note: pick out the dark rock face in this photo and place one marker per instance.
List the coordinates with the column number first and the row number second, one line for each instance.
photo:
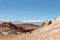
column 50, row 22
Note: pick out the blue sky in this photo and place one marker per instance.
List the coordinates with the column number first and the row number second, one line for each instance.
column 29, row 9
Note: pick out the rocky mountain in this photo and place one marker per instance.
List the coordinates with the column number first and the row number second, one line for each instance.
column 10, row 28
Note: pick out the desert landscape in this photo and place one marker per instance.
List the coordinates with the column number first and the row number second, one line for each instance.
column 29, row 19
column 48, row 30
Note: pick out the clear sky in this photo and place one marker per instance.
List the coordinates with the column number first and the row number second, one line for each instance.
column 29, row 9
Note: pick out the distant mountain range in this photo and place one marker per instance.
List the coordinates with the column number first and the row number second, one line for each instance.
column 19, row 22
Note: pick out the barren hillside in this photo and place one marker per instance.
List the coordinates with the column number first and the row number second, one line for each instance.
column 49, row 30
